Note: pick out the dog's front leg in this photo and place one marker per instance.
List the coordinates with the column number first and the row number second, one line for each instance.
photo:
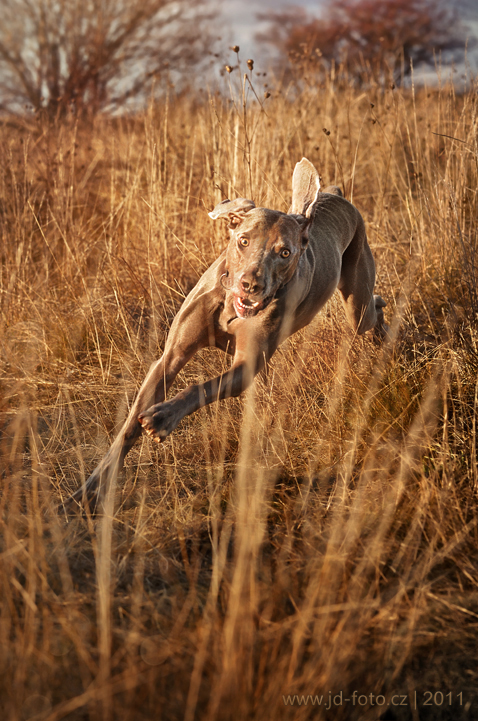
column 189, row 332
column 250, row 357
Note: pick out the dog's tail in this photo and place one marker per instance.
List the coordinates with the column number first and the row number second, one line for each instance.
column 334, row 190
column 305, row 188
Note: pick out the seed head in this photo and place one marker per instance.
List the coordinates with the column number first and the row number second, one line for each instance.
column 250, row 64
column 235, row 48
column 228, row 68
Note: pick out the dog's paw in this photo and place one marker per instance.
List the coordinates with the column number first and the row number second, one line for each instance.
column 89, row 497
column 381, row 329
column 381, row 333
column 158, row 421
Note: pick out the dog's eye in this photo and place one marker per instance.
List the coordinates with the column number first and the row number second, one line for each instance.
column 244, row 242
column 285, row 252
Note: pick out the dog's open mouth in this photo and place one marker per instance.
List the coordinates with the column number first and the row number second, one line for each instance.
column 246, row 307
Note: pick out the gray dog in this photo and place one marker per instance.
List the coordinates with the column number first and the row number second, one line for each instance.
column 277, row 272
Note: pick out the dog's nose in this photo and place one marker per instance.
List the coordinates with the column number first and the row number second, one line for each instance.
column 251, row 286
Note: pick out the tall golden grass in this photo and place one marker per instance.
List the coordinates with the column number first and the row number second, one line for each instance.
column 317, row 535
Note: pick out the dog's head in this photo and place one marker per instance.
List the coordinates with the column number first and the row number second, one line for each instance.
column 263, row 252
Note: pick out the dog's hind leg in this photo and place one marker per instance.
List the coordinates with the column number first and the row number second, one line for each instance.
column 364, row 310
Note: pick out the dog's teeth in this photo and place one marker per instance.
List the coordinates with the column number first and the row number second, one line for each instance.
column 247, row 303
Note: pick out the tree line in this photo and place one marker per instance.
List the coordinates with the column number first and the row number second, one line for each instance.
column 88, row 56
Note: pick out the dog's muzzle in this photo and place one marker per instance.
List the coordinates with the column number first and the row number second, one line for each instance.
column 247, row 307
column 244, row 305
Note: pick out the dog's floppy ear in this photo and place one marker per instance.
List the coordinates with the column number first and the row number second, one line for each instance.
column 305, row 187
column 232, row 210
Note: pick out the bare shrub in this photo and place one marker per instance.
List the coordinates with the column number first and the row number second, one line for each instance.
column 86, row 56
column 382, row 39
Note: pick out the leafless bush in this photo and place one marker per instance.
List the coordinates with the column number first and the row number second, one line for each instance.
column 379, row 39
column 86, row 56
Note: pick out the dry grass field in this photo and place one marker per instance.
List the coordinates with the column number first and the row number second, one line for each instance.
column 318, row 534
